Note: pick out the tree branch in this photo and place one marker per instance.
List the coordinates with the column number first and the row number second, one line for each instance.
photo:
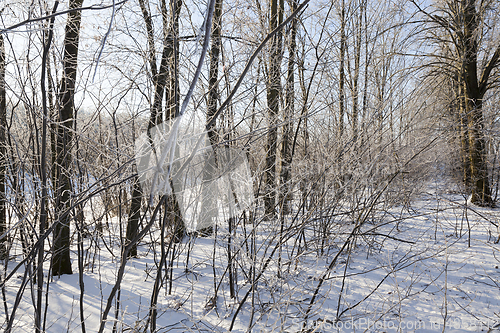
column 483, row 83
column 43, row 18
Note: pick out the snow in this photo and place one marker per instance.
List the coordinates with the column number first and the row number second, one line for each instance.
column 411, row 270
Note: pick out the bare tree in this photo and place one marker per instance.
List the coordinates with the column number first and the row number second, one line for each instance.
column 273, row 105
column 342, row 65
column 209, row 202
column 3, row 154
column 61, row 263
column 462, row 23
column 288, row 114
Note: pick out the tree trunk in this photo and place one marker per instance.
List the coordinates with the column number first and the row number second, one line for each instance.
column 61, row 263
column 355, row 76
column 480, row 188
column 3, row 154
column 273, row 97
column 165, row 82
column 134, row 216
column 43, row 169
column 209, row 201
column 342, row 74
column 286, row 153
column 134, row 212
column 171, row 52
column 464, row 136
column 463, row 24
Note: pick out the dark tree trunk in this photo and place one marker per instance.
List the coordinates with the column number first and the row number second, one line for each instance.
column 165, row 83
column 171, row 55
column 480, row 188
column 43, row 169
column 134, row 212
column 462, row 22
column 61, row 263
column 3, row 153
column 209, row 201
column 273, row 98
column 342, row 73
column 134, row 216
column 171, row 52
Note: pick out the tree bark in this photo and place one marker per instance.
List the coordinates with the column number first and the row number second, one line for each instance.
column 165, row 82
column 134, row 216
column 342, row 73
column 3, row 154
column 480, row 189
column 171, row 52
column 464, row 135
column 209, row 201
column 61, row 263
column 461, row 21
column 286, row 149
column 357, row 70
column 273, row 97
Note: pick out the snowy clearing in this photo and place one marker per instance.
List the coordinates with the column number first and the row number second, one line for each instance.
column 410, row 268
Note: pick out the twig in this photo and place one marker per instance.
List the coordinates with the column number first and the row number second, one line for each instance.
column 53, row 15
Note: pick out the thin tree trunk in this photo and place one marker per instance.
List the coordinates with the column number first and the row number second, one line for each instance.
column 171, row 52
column 209, row 201
column 286, row 153
column 355, row 81
column 365, row 86
column 134, row 216
column 342, row 73
column 273, row 97
column 172, row 109
column 43, row 173
column 3, row 154
column 464, row 136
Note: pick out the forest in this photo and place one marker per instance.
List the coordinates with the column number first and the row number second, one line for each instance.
column 249, row 166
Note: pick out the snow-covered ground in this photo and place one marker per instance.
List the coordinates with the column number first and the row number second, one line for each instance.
column 412, row 268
